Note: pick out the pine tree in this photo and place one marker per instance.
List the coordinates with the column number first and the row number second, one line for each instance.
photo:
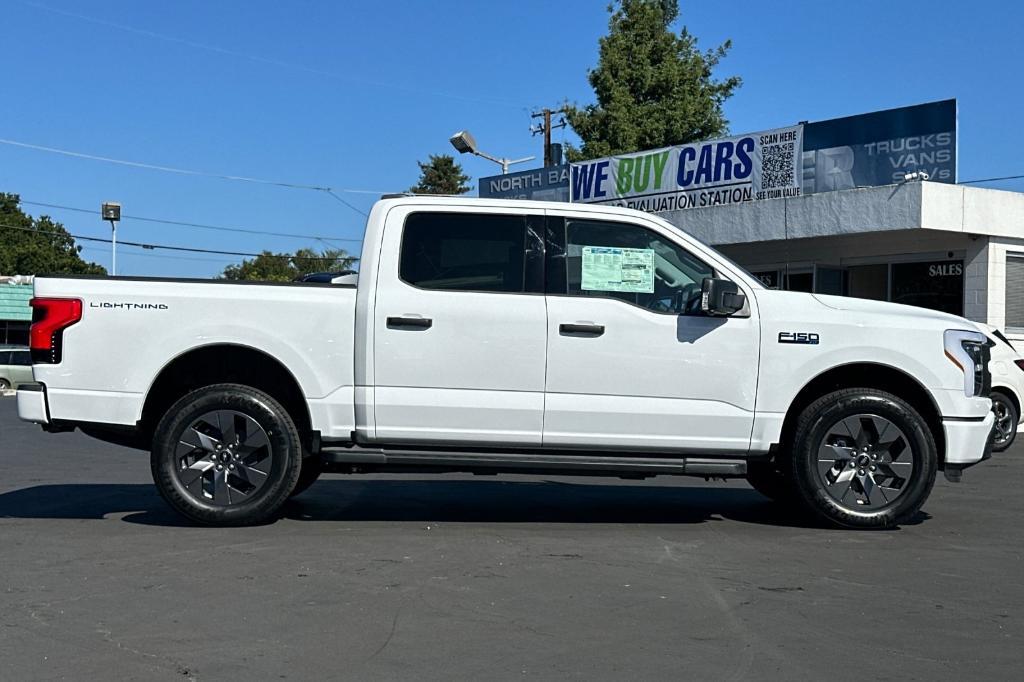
column 441, row 175
column 654, row 88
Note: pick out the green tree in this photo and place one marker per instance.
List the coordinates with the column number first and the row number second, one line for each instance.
column 441, row 175
column 283, row 267
column 35, row 246
column 654, row 88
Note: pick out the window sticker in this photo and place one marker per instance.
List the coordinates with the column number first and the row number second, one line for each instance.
column 607, row 268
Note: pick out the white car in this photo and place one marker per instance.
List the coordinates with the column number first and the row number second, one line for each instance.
column 1007, row 367
column 507, row 337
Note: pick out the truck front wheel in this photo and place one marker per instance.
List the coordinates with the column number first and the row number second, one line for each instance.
column 226, row 455
column 863, row 458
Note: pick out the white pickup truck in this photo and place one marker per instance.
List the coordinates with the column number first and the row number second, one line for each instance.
column 493, row 336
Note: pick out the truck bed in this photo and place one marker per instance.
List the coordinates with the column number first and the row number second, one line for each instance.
column 132, row 328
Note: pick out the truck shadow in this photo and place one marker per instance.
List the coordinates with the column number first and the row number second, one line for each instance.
column 452, row 501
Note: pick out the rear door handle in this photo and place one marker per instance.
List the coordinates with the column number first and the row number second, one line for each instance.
column 581, row 329
column 410, row 322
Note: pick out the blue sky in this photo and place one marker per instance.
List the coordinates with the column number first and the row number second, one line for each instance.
column 350, row 95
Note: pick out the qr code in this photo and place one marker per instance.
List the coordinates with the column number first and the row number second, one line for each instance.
column 777, row 166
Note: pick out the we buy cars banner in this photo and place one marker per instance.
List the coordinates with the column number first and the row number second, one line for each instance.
column 765, row 165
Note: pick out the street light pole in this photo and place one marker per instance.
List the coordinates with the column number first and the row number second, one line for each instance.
column 464, row 143
column 111, row 211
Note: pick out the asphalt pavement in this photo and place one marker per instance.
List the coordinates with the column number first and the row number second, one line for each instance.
column 456, row 577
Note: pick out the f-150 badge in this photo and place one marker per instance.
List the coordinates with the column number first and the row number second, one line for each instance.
column 799, row 337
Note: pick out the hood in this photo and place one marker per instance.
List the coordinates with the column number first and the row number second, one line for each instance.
column 864, row 305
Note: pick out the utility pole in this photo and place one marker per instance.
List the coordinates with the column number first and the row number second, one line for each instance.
column 546, row 128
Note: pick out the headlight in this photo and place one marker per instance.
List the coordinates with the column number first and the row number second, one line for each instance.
column 970, row 352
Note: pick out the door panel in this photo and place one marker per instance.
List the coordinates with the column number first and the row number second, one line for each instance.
column 653, row 378
column 650, row 381
column 452, row 364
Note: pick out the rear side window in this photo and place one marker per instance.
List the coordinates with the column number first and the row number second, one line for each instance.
column 21, row 357
column 464, row 252
column 5, row 357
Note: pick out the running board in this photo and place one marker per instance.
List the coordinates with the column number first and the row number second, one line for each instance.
column 524, row 463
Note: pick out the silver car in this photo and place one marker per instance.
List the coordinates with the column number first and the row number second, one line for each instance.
column 15, row 366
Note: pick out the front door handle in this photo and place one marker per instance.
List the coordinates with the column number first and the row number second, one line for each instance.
column 410, row 322
column 581, row 329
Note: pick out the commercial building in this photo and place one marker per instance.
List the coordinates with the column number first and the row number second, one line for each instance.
column 948, row 247
column 15, row 314
column 863, row 205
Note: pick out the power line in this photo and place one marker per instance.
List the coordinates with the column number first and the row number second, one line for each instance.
column 1005, row 177
column 132, row 254
column 187, row 171
column 346, row 203
column 166, row 247
column 197, row 225
column 267, row 60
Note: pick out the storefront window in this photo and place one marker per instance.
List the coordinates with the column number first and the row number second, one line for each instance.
column 769, row 278
column 869, row 281
column 800, row 281
column 938, row 285
column 14, row 333
column 830, row 280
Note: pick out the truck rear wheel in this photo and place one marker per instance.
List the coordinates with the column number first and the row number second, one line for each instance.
column 226, row 455
column 863, row 458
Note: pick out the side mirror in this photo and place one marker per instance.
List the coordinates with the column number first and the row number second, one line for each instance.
column 720, row 297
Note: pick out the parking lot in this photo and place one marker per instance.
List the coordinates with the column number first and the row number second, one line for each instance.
column 462, row 577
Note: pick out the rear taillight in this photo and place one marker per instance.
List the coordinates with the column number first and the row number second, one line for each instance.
column 50, row 317
column 1019, row 363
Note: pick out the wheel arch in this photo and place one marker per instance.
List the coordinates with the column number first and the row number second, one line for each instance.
column 874, row 375
column 217, row 364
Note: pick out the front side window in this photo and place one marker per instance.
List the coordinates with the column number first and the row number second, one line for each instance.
column 21, row 357
column 632, row 264
column 464, row 252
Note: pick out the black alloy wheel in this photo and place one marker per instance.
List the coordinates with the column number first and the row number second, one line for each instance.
column 226, row 455
column 863, row 458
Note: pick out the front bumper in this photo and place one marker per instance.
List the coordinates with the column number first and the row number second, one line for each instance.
column 32, row 404
column 967, row 443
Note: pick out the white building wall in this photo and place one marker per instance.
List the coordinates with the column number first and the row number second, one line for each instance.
column 977, row 269
column 998, row 248
column 854, row 211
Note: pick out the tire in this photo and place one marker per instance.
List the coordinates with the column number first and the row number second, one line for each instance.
column 847, row 455
column 1006, row 421
column 771, row 480
column 312, row 467
column 5, row 385
column 226, row 455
